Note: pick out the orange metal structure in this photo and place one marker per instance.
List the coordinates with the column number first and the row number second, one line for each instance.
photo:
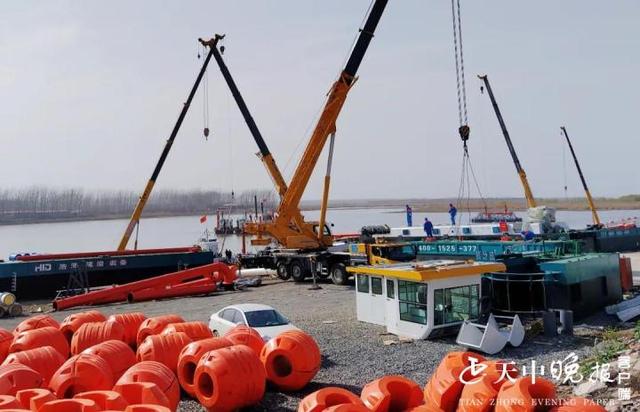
column 229, row 378
column 291, row 360
column 391, row 393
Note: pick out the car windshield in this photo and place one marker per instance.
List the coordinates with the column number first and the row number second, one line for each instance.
column 262, row 318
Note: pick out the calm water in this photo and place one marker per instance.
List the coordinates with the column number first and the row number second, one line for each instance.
column 184, row 231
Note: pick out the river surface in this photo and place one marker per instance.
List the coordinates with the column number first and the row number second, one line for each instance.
column 186, row 230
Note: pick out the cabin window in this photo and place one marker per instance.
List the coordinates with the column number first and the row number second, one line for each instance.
column 455, row 304
column 376, row 286
column 413, row 301
column 363, row 283
column 436, row 231
column 391, row 289
column 466, row 230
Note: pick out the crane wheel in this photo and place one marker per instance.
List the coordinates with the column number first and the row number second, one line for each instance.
column 283, row 271
column 339, row 274
column 297, row 270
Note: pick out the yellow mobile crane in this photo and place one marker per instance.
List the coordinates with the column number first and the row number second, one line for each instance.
column 305, row 245
column 592, row 206
column 531, row 201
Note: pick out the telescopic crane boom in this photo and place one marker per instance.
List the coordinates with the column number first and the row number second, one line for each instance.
column 142, row 201
column 531, row 201
column 592, row 206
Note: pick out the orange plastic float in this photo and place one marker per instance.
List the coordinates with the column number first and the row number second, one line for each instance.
column 391, row 393
column 6, row 338
column 92, row 333
column 230, row 378
column 35, row 338
column 480, row 392
column 194, row 330
column 444, row 388
column 34, row 398
column 324, row 398
column 347, row 408
column 424, row 408
column 36, row 322
column 9, row 402
column 16, row 377
column 146, row 408
column 291, row 360
column 525, row 396
column 81, row 373
column 131, row 322
column 153, row 326
column 189, row 357
column 72, row 323
column 70, row 405
column 163, row 348
column 154, row 372
column 45, row 360
column 105, row 399
column 116, row 353
column 244, row 335
column 578, row 405
column 141, row 393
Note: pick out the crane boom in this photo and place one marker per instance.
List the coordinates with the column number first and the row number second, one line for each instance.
column 592, row 206
column 528, row 194
column 142, row 201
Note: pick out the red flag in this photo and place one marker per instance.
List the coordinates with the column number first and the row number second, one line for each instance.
column 203, row 219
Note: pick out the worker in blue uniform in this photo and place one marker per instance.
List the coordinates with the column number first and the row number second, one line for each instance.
column 453, row 212
column 428, row 227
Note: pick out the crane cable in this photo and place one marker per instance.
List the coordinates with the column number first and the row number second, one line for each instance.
column 467, row 175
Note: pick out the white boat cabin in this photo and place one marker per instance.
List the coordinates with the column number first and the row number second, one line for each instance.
column 423, row 299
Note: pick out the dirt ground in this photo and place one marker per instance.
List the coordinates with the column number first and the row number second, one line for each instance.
column 353, row 353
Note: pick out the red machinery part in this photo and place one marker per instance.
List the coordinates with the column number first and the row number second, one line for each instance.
column 391, row 393
column 16, row 377
column 72, row 323
column 291, row 360
column 105, row 399
column 120, row 293
column 194, row 330
column 524, row 395
column 198, row 287
column 36, row 322
column 154, row 325
column 81, row 373
column 35, row 338
column 6, row 338
column 34, row 398
column 118, row 355
column 141, row 393
column 30, row 258
column 131, row 322
column 245, row 335
column 163, row 348
column 92, row 333
column 45, row 360
column 70, row 405
column 157, row 373
column 229, row 378
column 324, row 398
column 444, row 388
column 191, row 355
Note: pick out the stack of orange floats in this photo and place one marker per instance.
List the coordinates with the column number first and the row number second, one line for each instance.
column 462, row 382
column 131, row 363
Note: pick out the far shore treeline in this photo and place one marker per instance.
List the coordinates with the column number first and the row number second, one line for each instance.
column 39, row 204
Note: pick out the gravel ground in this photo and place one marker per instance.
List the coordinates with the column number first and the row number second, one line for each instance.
column 353, row 353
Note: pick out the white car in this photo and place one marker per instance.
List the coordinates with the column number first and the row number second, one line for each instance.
column 267, row 321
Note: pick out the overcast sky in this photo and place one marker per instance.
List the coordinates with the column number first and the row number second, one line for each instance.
column 90, row 91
